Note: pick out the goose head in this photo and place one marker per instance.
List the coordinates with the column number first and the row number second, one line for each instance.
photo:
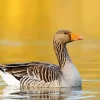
column 65, row 36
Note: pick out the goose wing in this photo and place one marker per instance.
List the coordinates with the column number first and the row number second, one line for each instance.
column 36, row 70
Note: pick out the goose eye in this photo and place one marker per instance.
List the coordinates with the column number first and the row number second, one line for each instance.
column 65, row 33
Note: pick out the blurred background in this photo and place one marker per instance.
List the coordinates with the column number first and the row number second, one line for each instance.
column 27, row 28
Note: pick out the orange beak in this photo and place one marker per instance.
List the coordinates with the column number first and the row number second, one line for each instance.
column 75, row 37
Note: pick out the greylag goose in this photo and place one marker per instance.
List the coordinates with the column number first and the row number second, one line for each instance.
column 38, row 74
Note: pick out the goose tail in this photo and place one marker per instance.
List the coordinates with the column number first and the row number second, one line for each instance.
column 8, row 78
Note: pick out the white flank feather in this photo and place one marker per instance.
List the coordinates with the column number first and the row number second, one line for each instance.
column 9, row 79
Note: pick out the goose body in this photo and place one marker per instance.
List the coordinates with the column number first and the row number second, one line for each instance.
column 38, row 74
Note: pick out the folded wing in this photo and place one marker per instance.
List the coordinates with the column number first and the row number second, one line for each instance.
column 35, row 70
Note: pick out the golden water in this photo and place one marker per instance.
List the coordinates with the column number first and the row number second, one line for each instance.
column 26, row 31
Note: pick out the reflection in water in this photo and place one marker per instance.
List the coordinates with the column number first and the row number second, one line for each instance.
column 10, row 93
